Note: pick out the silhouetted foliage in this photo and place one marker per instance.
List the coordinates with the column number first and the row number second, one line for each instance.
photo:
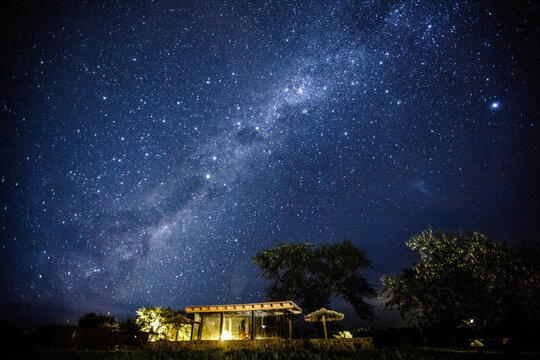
column 12, row 338
column 405, row 337
column 55, row 337
column 92, row 320
column 310, row 275
column 465, row 285
column 129, row 325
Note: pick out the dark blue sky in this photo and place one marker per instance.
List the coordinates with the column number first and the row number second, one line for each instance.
column 149, row 149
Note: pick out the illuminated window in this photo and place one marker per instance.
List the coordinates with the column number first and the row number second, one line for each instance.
column 236, row 326
column 210, row 326
column 269, row 325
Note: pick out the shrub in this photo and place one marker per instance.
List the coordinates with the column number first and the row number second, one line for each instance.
column 343, row 335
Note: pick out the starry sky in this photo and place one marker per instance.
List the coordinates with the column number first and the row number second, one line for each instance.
column 150, row 148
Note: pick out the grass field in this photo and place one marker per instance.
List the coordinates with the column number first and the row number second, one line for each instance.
column 374, row 354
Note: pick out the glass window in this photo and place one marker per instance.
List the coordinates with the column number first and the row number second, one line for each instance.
column 195, row 331
column 210, row 326
column 236, row 326
column 196, row 325
column 269, row 325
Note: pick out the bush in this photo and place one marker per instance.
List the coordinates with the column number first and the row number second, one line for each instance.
column 398, row 337
column 343, row 335
column 375, row 354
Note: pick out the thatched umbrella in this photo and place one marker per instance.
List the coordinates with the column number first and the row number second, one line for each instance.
column 178, row 319
column 324, row 316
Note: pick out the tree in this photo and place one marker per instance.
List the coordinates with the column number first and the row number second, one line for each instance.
column 465, row 284
column 310, row 275
column 161, row 323
column 92, row 320
column 129, row 325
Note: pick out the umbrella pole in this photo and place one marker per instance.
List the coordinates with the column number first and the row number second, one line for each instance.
column 324, row 326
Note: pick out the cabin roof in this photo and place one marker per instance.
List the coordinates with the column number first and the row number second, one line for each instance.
column 274, row 305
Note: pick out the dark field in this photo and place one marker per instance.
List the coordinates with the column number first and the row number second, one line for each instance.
column 374, row 354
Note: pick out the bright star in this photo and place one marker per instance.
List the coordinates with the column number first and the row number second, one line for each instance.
column 495, row 105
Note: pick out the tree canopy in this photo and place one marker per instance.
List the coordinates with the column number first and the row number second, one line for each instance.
column 93, row 320
column 310, row 275
column 465, row 282
column 157, row 321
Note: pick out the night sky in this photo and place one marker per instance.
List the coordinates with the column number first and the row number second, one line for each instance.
column 150, row 149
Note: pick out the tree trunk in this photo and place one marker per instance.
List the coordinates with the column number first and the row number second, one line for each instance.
column 324, row 327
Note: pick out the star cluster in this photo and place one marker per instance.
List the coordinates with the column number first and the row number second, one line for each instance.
column 149, row 149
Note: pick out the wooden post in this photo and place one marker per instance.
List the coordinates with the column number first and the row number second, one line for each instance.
column 290, row 328
column 252, row 325
column 284, row 329
column 324, row 326
column 221, row 325
column 199, row 335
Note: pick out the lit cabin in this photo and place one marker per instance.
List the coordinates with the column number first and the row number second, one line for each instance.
column 268, row 320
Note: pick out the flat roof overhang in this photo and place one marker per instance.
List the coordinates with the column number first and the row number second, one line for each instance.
column 274, row 305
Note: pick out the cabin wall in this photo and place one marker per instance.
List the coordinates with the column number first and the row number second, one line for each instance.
column 244, row 325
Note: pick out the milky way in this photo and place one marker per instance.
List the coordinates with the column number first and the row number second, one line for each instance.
column 149, row 150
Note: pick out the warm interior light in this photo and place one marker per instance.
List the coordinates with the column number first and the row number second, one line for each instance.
column 226, row 335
